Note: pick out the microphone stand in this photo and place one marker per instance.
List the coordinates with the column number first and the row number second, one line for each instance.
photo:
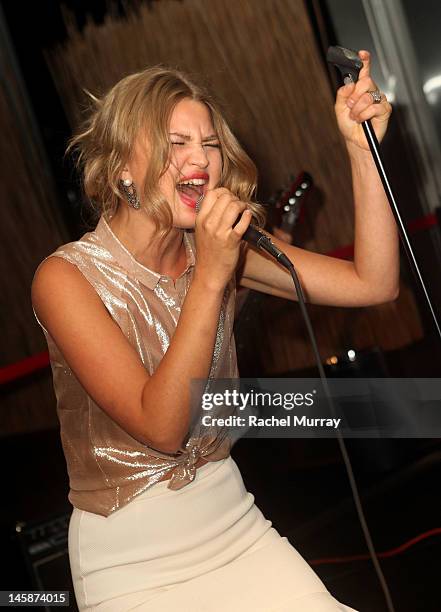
column 349, row 65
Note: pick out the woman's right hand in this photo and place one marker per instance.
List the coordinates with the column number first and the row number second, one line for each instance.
column 217, row 241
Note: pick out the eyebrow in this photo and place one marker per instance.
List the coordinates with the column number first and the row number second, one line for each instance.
column 187, row 137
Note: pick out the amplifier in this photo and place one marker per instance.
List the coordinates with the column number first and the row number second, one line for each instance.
column 45, row 551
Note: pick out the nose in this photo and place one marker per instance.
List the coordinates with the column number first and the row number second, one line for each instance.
column 198, row 156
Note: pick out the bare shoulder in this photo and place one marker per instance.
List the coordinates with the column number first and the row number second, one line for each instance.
column 57, row 281
column 95, row 348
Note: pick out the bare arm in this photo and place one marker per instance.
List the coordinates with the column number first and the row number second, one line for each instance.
column 153, row 409
column 373, row 276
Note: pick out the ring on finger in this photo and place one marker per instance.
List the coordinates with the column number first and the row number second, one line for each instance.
column 375, row 95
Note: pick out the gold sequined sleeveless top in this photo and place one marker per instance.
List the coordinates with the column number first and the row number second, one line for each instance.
column 107, row 467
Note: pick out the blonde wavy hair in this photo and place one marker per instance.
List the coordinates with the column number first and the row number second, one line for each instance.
column 143, row 103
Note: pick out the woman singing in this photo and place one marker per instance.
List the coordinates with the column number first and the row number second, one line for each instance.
column 139, row 307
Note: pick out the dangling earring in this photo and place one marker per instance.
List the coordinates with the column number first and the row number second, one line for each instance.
column 128, row 188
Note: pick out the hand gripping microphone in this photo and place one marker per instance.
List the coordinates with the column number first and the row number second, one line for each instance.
column 259, row 239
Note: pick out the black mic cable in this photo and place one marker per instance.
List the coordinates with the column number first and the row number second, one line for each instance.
column 264, row 243
column 256, row 237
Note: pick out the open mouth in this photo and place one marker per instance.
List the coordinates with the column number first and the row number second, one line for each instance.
column 190, row 190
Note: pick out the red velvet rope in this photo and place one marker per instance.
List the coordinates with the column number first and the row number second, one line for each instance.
column 24, row 367
column 381, row 555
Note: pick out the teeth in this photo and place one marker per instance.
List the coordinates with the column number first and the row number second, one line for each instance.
column 193, row 182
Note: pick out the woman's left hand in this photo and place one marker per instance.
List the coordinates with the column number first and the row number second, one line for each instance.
column 354, row 105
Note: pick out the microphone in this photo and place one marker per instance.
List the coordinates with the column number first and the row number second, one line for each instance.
column 257, row 238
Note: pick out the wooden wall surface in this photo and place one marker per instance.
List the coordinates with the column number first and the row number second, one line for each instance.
column 31, row 228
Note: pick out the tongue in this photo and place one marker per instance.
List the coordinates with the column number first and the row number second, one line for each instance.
column 190, row 190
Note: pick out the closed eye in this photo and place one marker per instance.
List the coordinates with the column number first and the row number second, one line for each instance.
column 205, row 144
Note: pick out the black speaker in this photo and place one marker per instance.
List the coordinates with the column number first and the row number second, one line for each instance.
column 45, row 551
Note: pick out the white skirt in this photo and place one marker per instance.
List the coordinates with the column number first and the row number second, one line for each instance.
column 203, row 548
